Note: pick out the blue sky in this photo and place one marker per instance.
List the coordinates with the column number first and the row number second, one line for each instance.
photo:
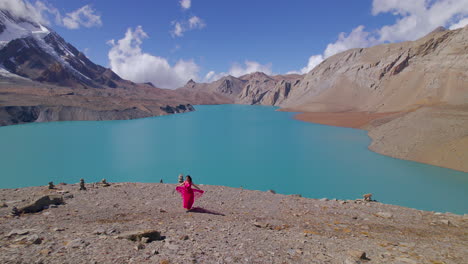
column 237, row 37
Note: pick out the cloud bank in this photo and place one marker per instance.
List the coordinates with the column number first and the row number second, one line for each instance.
column 130, row 62
column 414, row 19
column 43, row 13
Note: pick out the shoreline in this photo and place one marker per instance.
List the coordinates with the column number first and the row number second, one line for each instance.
column 371, row 122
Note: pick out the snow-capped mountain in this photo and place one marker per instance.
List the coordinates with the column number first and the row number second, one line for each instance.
column 32, row 50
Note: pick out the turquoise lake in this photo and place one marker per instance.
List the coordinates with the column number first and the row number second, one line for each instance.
column 254, row 147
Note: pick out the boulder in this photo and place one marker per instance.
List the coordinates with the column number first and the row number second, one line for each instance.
column 386, row 215
column 20, row 232
column 137, row 236
column 42, row 202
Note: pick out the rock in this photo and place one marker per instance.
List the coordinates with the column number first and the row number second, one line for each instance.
column 406, row 260
column 57, row 229
column 184, row 237
column 34, row 239
column 77, row 243
column 386, row 215
column 323, row 199
column 172, row 247
column 144, row 240
column 154, row 252
column 3, row 205
column 20, row 232
column 99, row 231
column 68, row 196
column 152, row 235
column 42, row 202
column 140, row 246
column 357, row 254
column 53, row 206
column 271, row 191
column 51, row 186
column 445, row 222
column 164, row 261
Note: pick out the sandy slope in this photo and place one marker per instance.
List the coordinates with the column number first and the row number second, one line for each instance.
column 230, row 226
column 436, row 135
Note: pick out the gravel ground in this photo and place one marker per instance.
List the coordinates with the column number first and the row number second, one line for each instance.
column 228, row 225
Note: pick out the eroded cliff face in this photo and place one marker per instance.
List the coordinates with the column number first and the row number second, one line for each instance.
column 12, row 115
column 253, row 89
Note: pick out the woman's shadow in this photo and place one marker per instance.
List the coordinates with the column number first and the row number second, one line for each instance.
column 204, row 211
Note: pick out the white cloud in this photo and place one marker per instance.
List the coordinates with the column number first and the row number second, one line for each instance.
column 38, row 12
column 249, row 67
column 42, row 12
column 238, row 70
column 185, row 4
column 196, row 23
column 414, row 19
column 178, row 29
column 356, row 39
column 182, row 26
column 84, row 16
column 417, row 18
column 314, row 60
column 130, row 62
column 460, row 24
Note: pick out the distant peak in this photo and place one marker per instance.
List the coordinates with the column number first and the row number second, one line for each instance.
column 438, row 29
column 190, row 81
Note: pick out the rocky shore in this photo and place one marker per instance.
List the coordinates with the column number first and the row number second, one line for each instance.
column 145, row 223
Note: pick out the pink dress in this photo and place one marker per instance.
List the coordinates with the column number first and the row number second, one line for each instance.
column 188, row 194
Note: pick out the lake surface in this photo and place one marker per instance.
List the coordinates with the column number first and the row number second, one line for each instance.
column 254, row 147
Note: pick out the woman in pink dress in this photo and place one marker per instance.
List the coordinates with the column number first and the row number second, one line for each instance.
column 188, row 194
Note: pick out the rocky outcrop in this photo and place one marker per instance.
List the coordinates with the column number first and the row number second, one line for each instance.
column 177, row 109
column 41, row 203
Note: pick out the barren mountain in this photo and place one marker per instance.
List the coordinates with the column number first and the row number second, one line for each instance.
column 389, row 77
column 254, row 89
column 44, row 78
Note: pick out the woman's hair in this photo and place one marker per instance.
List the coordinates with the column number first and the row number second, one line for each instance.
column 188, row 178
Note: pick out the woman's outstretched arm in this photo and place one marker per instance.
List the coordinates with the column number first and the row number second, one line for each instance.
column 195, row 186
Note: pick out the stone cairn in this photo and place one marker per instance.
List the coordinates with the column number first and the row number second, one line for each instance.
column 82, row 185
column 367, row 197
column 181, row 178
column 51, row 186
column 161, row 181
column 15, row 211
column 105, row 183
